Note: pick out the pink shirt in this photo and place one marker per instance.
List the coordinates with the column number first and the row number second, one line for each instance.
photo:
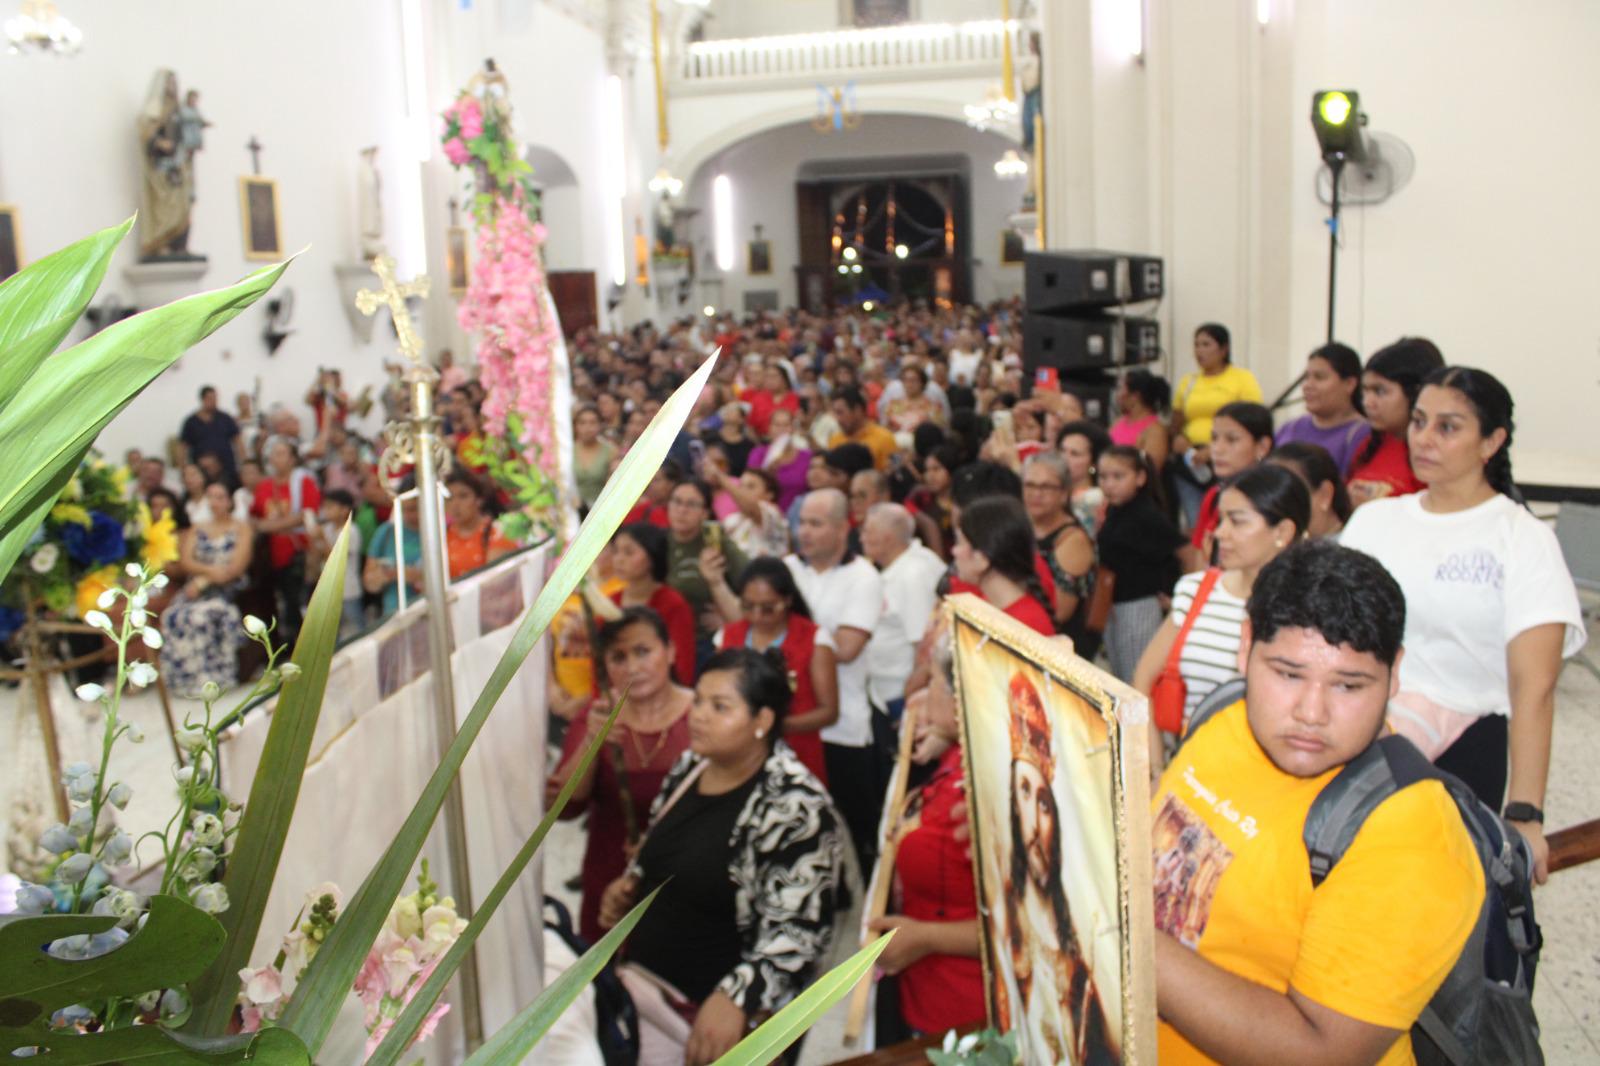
column 1128, row 433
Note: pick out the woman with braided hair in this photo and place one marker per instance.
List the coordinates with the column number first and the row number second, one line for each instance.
column 1491, row 609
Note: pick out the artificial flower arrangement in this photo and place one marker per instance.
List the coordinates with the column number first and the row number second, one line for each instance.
column 79, row 550
column 89, row 853
column 420, row 928
column 479, row 137
column 533, row 515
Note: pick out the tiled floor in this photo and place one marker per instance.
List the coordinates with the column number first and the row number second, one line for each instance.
column 1568, row 989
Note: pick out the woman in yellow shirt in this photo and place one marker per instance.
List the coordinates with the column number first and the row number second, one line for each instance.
column 1200, row 395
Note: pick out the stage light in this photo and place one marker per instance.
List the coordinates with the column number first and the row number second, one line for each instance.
column 901, row 251
column 1337, row 119
column 843, row 269
column 850, row 255
column 856, row 269
column 709, row 311
column 1263, row 11
column 866, row 305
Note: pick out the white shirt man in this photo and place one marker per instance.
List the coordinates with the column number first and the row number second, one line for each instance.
column 910, row 574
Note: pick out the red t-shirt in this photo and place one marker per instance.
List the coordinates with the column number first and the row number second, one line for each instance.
column 1389, row 470
column 1205, row 522
column 274, row 499
column 934, row 878
column 1041, row 570
column 645, row 511
column 762, row 405
column 674, row 610
column 799, row 641
column 1030, row 612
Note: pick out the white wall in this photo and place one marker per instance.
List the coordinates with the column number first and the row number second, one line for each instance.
column 764, row 169
column 761, row 18
column 314, row 82
column 1491, row 249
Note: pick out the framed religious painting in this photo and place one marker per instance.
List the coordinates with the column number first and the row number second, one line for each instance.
column 1012, row 247
column 258, row 215
column 10, row 242
column 456, row 262
column 758, row 257
column 1058, row 789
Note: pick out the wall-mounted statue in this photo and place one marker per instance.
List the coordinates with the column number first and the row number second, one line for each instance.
column 171, row 131
column 369, row 200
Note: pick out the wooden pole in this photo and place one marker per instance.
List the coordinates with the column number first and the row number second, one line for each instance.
column 39, row 679
column 883, row 873
column 1574, row 845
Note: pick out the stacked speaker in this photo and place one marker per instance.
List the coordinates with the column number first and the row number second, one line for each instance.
column 1076, row 332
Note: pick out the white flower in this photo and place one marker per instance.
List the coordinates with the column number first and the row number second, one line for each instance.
column 440, row 928
column 107, row 598
column 91, row 692
column 58, row 840
column 98, row 619
column 327, row 888
column 120, row 904
column 191, row 738
column 119, row 849
column 200, row 864
column 138, row 618
column 152, row 639
column 84, row 946
column 135, row 734
column 254, row 626
column 288, row 671
column 211, row 898
column 80, row 787
column 119, row 795
column 82, row 820
column 210, row 691
column 75, row 769
column 75, row 869
column 261, row 987
column 35, row 899
column 207, row 830
column 148, row 1001
column 132, row 570
column 175, row 1002
column 159, row 581
column 44, row 560
column 140, row 599
column 141, row 674
column 184, row 774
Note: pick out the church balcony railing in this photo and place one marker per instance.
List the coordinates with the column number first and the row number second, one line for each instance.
column 919, row 50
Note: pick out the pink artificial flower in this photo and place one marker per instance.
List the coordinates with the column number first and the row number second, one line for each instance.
column 470, row 115
column 456, row 152
column 250, row 1019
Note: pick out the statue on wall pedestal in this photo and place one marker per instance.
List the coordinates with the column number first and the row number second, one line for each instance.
column 171, row 131
column 369, row 199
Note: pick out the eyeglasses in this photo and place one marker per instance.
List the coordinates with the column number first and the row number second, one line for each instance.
column 765, row 607
column 1043, row 486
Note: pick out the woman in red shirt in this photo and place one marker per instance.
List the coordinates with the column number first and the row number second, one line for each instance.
column 995, row 551
column 776, row 615
column 639, row 558
column 1389, row 388
column 774, row 395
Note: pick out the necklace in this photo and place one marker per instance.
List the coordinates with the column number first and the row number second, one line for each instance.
column 661, row 735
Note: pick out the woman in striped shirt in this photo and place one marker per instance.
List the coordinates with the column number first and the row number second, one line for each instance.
column 1262, row 511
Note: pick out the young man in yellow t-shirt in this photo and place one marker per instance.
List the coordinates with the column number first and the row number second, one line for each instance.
column 855, row 427
column 1253, row 964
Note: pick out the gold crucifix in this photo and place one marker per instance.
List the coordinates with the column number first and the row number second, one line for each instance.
column 393, row 295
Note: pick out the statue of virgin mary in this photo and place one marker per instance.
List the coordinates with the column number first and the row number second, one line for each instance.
column 167, row 191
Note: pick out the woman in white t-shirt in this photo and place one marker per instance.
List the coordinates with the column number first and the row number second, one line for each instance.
column 1491, row 609
column 1261, row 511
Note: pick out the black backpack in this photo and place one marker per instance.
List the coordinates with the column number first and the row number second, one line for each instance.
column 1483, row 1012
column 617, row 1022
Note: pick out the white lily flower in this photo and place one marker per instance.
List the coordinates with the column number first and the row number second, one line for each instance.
column 191, row 738
column 159, row 581
column 133, row 570
column 138, row 618
column 90, row 693
column 135, row 734
column 254, row 626
column 119, row 849
column 107, row 598
column 151, row 638
column 99, row 620
column 210, row 691
column 207, row 830
column 120, row 794
column 75, row 868
column 81, row 821
column 288, row 671
column 141, row 674
column 58, row 840
column 211, row 898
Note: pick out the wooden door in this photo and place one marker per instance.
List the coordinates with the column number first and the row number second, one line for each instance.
column 574, row 294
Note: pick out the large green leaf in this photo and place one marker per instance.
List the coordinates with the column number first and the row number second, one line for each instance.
column 69, row 399
column 322, row 989
column 40, row 304
column 775, row 1035
column 516, row 1038
column 152, row 1045
column 410, row 1021
column 253, row 859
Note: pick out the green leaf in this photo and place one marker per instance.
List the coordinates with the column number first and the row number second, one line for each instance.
column 789, row 1024
column 253, row 859
column 40, row 305
column 152, row 1045
column 175, row 944
column 322, row 988
column 56, row 415
column 516, row 1038
column 409, row 1024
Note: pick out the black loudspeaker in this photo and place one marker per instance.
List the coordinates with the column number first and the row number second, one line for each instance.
column 1091, row 342
column 1054, row 282
column 1094, row 391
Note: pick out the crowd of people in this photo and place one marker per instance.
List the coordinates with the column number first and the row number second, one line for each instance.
column 770, row 609
column 842, row 473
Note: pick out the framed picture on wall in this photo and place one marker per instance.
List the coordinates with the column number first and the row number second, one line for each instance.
column 759, row 258
column 10, row 242
column 258, row 213
column 457, row 263
column 1057, row 771
column 1011, row 247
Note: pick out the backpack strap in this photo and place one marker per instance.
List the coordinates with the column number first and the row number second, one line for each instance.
column 1218, row 699
column 1341, row 808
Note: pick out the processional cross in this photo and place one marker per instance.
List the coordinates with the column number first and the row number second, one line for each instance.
column 255, row 147
column 393, row 295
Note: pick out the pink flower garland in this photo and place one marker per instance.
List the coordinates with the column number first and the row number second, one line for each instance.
column 506, row 303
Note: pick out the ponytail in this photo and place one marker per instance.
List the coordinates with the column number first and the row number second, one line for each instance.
column 1491, row 402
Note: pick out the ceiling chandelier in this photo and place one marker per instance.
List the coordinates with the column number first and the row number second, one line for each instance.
column 1010, row 166
column 42, row 30
column 664, row 182
column 996, row 110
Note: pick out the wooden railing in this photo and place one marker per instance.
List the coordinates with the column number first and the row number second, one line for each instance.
column 850, row 53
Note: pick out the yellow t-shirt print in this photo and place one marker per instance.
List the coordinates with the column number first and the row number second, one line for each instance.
column 1232, row 880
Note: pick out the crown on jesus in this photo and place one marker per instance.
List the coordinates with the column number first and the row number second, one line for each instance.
column 1029, row 726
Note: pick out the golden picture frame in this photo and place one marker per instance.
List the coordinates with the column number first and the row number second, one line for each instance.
column 457, row 260
column 1057, row 771
column 11, row 257
column 758, row 258
column 259, row 219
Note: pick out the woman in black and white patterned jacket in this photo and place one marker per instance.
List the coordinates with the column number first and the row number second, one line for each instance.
column 746, row 850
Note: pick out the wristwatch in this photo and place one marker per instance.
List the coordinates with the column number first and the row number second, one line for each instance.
column 1523, row 812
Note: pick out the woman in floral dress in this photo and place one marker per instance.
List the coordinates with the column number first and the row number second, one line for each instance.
column 202, row 627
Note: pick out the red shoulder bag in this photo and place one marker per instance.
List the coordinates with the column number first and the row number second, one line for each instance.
column 1169, row 693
